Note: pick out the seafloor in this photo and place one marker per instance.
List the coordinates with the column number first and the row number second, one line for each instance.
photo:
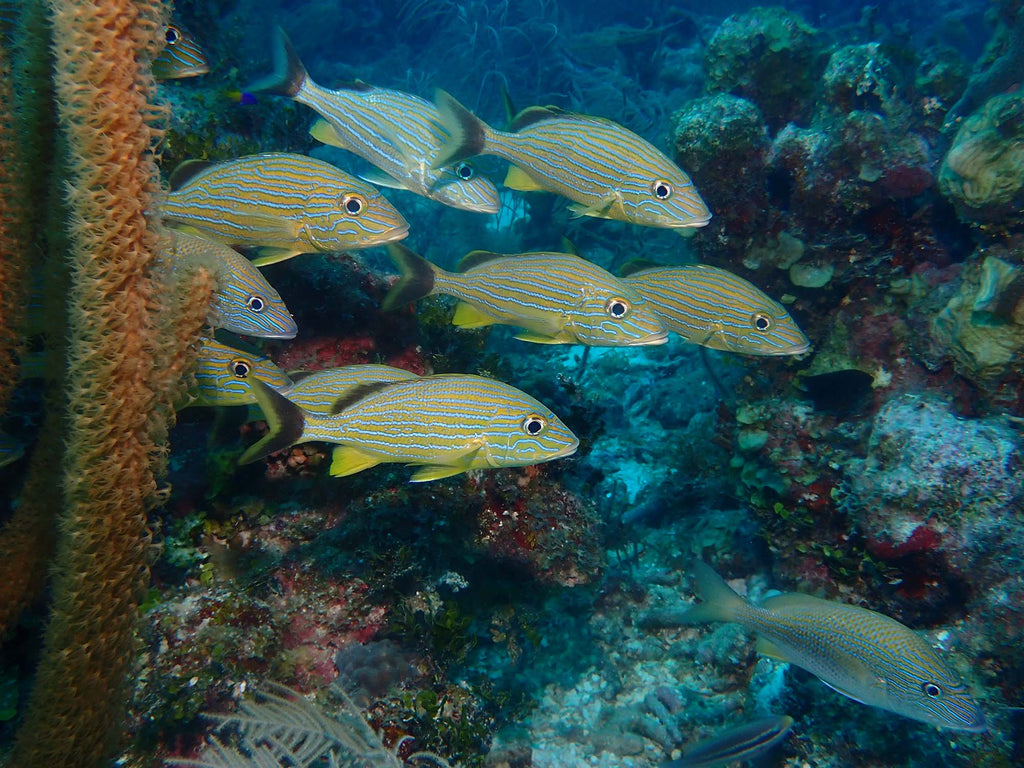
column 864, row 165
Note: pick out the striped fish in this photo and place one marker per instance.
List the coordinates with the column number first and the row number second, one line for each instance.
column 244, row 302
column 222, row 371
column 608, row 170
column 558, row 298
column 320, row 390
column 862, row 654
column 181, row 56
column 286, row 204
column 742, row 742
column 716, row 309
column 446, row 424
column 399, row 133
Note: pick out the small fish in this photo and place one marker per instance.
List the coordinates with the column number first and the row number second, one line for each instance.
column 860, row 653
column 285, row 204
column 608, row 170
column 558, row 298
column 716, row 309
column 181, row 56
column 398, row 132
column 446, row 424
column 244, row 302
column 742, row 742
column 222, row 371
column 318, row 391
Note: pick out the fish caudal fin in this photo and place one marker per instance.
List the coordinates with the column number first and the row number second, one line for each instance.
column 720, row 601
column 467, row 132
column 289, row 73
column 415, row 282
column 284, row 418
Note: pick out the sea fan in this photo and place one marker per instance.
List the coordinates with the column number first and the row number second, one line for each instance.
column 280, row 728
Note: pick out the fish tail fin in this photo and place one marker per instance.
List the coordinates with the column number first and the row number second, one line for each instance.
column 467, row 132
column 286, row 421
column 416, row 279
column 720, row 601
column 289, row 73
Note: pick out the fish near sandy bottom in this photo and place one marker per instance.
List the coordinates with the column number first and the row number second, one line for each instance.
column 559, row 298
column 606, row 169
column 445, row 424
column 181, row 56
column 221, row 373
column 398, row 132
column 862, row 654
column 244, row 301
column 717, row 309
column 283, row 203
column 746, row 741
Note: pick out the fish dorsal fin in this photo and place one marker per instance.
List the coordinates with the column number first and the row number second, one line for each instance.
column 359, row 392
column 794, row 600
column 326, row 133
column 357, row 85
column 510, row 107
column 346, row 460
column 520, row 180
column 533, row 115
column 297, row 376
column 186, row 172
column 474, row 259
column 468, row 316
column 633, row 266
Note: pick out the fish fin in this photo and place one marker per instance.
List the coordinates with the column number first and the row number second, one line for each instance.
column 790, row 600
column 467, row 132
column 272, row 255
column 540, row 338
column 518, row 179
column 346, row 460
column 602, row 209
column 686, row 232
column 633, row 266
column 185, row 172
column 846, row 693
column 476, row 258
column 381, row 179
column 468, row 316
column 510, row 107
column 297, row 376
column 286, row 421
column 289, row 73
column 721, row 603
column 766, row 647
column 568, row 246
column 254, row 413
column 532, row 115
column 416, row 279
column 326, row 133
column 357, row 393
column 436, row 472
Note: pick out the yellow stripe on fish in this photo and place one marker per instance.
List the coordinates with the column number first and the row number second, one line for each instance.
column 181, row 56
column 862, row 654
column 559, row 298
column 717, row 309
column 398, row 132
column 222, row 371
column 319, row 391
column 286, row 204
column 445, row 424
column 244, row 301
column 609, row 171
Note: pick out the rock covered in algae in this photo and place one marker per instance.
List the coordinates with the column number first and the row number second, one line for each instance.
column 862, row 77
column 983, row 173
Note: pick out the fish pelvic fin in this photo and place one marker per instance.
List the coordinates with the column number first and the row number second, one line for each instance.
column 415, row 281
column 286, row 421
column 289, row 73
column 720, row 601
column 467, row 132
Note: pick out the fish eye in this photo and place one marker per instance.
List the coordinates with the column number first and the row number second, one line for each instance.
column 931, row 690
column 616, row 307
column 172, row 35
column 240, row 368
column 662, row 189
column 761, row 322
column 255, row 303
column 534, row 424
column 465, row 171
column 353, row 204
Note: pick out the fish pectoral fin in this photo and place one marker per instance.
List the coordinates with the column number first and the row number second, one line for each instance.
column 846, row 693
column 468, row 316
column 518, row 179
column 272, row 255
column 766, row 647
column 602, row 209
column 456, row 466
column 326, row 133
column 686, row 232
column 381, row 179
column 346, row 460
column 540, row 338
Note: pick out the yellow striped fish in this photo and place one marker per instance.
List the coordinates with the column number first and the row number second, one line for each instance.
column 244, row 302
column 608, row 170
column 222, row 371
column 446, row 424
column 862, row 654
column 286, row 204
column 717, row 309
column 318, row 391
column 181, row 56
column 558, row 298
column 399, row 133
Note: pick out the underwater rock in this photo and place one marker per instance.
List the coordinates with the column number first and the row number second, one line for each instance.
column 768, row 55
column 983, row 172
column 862, row 78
